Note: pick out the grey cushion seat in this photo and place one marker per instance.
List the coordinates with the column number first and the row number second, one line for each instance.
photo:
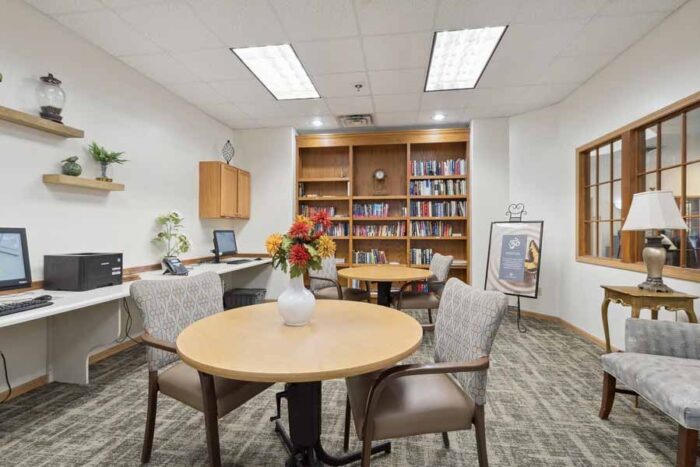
column 181, row 382
column 331, row 293
column 670, row 383
column 418, row 300
column 412, row 405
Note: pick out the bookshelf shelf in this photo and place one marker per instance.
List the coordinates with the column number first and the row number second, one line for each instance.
column 339, row 169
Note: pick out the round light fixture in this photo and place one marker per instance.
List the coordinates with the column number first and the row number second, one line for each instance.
column 317, row 122
column 438, row 117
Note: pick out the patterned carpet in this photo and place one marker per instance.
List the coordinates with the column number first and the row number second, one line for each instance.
column 543, row 400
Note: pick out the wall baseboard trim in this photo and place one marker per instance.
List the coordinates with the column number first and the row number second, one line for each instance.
column 567, row 325
column 114, row 349
column 24, row 388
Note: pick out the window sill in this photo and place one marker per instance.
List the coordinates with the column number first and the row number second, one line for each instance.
column 692, row 275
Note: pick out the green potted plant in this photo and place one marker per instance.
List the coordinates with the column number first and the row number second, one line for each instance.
column 105, row 159
column 170, row 237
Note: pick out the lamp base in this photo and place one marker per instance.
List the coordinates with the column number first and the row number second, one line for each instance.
column 654, row 255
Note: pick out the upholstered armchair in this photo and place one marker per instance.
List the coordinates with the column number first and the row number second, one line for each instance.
column 168, row 306
column 661, row 363
column 324, row 284
column 439, row 397
column 430, row 298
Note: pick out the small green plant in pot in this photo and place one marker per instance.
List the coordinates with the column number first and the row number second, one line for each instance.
column 173, row 241
column 105, row 159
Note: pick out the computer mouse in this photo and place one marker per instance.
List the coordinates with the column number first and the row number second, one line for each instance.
column 44, row 298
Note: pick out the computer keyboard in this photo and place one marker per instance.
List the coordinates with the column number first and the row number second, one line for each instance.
column 16, row 307
column 238, row 261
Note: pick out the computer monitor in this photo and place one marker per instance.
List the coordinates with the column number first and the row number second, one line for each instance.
column 224, row 243
column 15, row 272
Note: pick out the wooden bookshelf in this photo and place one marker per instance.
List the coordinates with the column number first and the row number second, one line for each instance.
column 336, row 171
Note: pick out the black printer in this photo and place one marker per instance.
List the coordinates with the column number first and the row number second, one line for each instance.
column 78, row 272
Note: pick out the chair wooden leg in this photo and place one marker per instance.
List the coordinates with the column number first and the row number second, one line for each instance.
column 366, row 452
column 150, row 417
column 446, row 440
column 346, row 434
column 430, row 316
column 687, row 447
column 211, row 418
column 608, row 398
column 480, row 433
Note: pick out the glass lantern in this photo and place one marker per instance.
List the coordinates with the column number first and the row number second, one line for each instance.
column 51, row 98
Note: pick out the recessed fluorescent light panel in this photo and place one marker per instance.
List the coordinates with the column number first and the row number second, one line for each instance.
column 459, row 57
column 278, row 68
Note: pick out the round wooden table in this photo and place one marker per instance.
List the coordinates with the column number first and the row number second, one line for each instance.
column 343, row 339
column 384, row 275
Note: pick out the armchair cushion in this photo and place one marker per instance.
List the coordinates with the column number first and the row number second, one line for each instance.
column 331, row 293
column 418, row 300
column 663, row 338
column 412, row 405
column 669, row 383
column 181, row 382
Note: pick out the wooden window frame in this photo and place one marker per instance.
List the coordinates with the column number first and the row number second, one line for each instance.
column 631, row 242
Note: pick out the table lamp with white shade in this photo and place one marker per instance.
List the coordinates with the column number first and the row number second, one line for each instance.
column 654, row 210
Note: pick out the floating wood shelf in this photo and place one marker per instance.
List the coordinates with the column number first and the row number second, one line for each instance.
column 38, row 123
column 58, row 179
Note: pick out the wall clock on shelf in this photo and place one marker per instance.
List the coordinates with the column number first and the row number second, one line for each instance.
column 379, row 182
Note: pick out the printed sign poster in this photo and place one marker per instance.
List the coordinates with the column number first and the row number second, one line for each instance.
column 513, row 265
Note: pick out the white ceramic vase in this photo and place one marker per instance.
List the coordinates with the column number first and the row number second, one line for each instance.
column 296, row 304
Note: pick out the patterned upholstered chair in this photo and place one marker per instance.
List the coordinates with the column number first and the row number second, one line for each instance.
column 661, row 363
column 169, row 306
column 324, row 284
column 430, row 299
column 439, row 397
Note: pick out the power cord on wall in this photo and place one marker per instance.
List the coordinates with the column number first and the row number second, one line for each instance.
column 7, row 378
column 129, row 323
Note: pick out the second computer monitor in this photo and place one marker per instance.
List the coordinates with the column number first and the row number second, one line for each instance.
column 225, row 242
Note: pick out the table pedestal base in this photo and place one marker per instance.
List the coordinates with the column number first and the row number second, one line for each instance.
column 304, row 442
column 384, row 293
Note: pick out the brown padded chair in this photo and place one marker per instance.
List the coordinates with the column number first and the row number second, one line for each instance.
column 167, row 307
column 430, row 299
column 325, row 286
column 439, row 397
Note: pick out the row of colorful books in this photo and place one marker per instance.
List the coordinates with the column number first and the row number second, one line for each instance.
column 394, row 229
column 438, row 208
column 438, row 187
column 309, row 211
column 420, row 255
column 456, row 166
column 432, row 229
column 337, row 229
column 373, row 256
column 370, row 210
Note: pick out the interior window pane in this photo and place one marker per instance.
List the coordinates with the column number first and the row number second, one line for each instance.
column 692, row 128
column 671, row 141
column 692, row 250
column 617, row 200
column 592, row 167
column 604, row 240
column 604, row 163
column 647, row 160
column 604, row 201
column 617, row 236
column 617, row 159
column 591, row 238
column 592, row 200
column 692, row 189
column 647, row 182
column 671, row 180
column 672, row 242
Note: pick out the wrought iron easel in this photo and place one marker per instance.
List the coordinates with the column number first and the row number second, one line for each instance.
column 515, row 213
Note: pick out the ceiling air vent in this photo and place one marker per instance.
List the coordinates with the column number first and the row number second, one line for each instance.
column 354, row 121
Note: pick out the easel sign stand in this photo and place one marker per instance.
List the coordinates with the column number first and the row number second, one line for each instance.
column 513, row 263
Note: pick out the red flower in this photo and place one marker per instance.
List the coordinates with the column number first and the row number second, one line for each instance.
column 299, row 230
column 299, row 255
column 321, row 217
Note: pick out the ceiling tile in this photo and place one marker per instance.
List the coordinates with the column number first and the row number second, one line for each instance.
column 121, row 3
column 396, row 118
column 444, row 100
column 197, row 93
column 161, row 68
column 537, row 40
column 224, row 112
column 397, row 81
column 108, row 31
column 300, row 123
column 452, row 117
column 397, row 102
column 214, row 64
column 57, row 7
column 526, row 70
column 241, row 23
column 341, row 84
column 461, row 14
column 316, row 19
column 574, row 69
column 171, row 25
column 612, row 34
column 395, row 16
column 398, row 51
column 304, row 107
column 350, row 105
column 330, row 56
column 263, row 109
column 245, row 90
column 535, row 11
column 628, row 7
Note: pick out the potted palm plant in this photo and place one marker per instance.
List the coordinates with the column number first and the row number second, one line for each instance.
column 105, row 158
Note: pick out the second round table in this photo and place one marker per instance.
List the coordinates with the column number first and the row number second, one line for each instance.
column 384, row 275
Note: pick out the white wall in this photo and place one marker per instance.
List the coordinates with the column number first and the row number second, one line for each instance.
column 163, row 137
column 660, row 69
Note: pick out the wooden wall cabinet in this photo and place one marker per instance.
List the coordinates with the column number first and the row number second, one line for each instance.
column 224, row 191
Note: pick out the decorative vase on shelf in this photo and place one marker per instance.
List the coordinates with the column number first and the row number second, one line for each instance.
column 71, row 167
column 103, row 173
column 296, row 304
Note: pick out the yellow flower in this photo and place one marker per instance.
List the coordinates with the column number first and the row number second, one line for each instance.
column 325, row 246
column 304, row 219
column 273, row 243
